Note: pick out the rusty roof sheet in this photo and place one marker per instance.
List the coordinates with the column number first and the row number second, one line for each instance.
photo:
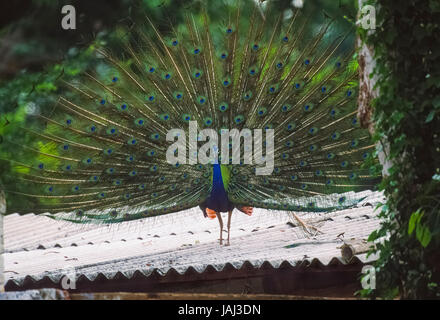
column 37, row 247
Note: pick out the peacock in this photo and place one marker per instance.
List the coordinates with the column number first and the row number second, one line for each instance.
column 257, row 110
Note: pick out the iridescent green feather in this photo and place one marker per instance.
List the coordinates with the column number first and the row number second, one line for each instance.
column 100, row 155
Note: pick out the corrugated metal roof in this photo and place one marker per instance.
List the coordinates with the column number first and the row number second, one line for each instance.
column 38, row 247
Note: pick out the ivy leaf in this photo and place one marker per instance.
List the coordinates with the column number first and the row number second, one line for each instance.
column 412, row 223
column 414, row 220
column 373, row 236
column 430, row 116
column 424, row 236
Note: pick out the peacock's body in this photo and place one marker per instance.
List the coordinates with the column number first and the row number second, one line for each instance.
column 101, row 154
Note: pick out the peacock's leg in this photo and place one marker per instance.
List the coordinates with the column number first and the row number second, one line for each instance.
column 220, row 220
column 229, row 226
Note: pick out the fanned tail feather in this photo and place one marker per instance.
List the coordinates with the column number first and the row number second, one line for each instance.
column 100, row 155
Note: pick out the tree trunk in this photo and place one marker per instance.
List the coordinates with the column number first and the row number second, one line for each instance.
column 368, row 92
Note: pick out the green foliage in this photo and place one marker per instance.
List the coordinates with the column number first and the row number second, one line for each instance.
column 407, row 116
column 422, row 230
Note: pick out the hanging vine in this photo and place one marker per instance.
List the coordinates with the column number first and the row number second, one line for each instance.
column 406, row 116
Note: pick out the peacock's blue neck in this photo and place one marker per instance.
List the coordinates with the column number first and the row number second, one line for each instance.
column 217, row 181
column 218, row 199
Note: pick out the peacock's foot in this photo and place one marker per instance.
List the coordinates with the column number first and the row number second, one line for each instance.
column 227, row 243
